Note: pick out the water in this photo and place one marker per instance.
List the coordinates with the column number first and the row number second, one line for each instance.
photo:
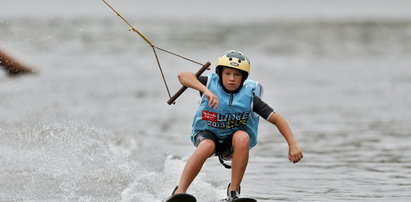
column 94, row 125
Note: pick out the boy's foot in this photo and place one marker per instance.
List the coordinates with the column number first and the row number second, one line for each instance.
column 231, row 195
column 180, row 197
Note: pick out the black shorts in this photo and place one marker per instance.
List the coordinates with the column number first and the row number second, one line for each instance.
column 224, row 147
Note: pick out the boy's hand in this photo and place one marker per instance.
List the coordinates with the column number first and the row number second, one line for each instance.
column 212, row 99
column 295, row 154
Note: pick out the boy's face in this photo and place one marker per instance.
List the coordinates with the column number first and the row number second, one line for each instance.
column 231, row 78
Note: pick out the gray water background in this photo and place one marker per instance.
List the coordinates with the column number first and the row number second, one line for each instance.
column 93, row 124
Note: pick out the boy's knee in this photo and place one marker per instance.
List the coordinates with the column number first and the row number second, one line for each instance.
column 207, row 145
column 241, row 139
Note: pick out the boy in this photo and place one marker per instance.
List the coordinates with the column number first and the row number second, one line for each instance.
column 226, row 121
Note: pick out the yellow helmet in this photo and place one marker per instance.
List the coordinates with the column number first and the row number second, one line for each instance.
column 233, row 59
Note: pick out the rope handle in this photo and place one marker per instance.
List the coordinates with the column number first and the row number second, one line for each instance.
column 182, row 89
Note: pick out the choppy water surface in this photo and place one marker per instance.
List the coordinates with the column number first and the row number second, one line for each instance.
column 93, row 124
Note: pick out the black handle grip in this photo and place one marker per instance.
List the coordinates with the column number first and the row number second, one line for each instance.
column 182, row 89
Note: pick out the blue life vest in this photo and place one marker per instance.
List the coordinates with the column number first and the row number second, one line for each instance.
column 234, row 111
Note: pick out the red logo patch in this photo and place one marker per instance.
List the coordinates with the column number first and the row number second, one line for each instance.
column 209, row 116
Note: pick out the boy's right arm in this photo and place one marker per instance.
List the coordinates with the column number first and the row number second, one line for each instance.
column 189, row 79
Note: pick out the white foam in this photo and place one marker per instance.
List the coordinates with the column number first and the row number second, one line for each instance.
column 156, row 186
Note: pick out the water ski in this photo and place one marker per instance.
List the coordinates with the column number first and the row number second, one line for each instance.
column 242, row 200
column 181, row 198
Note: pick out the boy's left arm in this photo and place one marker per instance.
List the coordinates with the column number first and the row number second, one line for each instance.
column 294, row 152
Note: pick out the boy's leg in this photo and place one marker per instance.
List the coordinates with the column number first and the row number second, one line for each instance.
column 194, row 164
column 239, row 162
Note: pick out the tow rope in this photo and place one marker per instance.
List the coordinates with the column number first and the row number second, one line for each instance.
column 154, row 47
